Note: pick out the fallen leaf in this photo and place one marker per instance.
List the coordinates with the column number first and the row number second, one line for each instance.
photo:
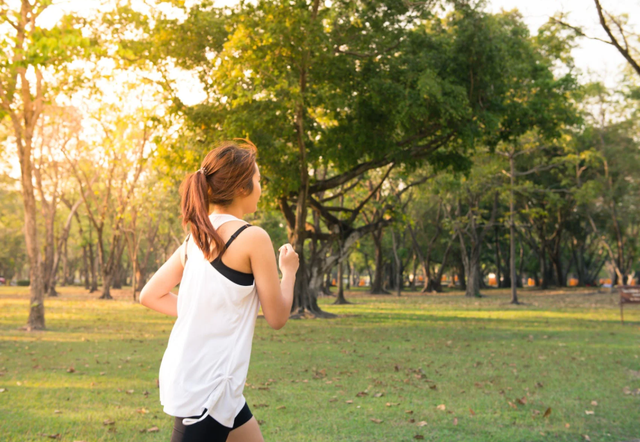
column 378, row 395
column 411, row 421
column 2, row 390
column 391, row 404
column 512, row 405
column 408, row 411
column 441, row 407
column 57, row 411
column 418, row 436
column 153, row 430
column 422, row 423
column 51, row 436
column 594, row 403
column 362, row 393
column 281, row 407
column 349, row 401
column 472, row 412
column 566, row 425
column 547, row 413
column 455, row 421
column 587, row 438
column 108, row 422
column 129, row 391
column 377, row 421
column 261, row 422
column 142, row 411
column 522, row 400
column 333, row 400
column 71, row 370
column 589, row 412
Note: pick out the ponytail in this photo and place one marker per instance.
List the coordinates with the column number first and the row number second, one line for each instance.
column 195, row 210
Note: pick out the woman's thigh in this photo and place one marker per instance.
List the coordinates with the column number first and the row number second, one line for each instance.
column 248, row 432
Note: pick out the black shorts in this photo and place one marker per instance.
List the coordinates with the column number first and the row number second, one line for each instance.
column 208, row 429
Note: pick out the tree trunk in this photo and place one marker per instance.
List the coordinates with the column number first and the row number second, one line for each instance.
column 498, row 264
column 398, row 263
column 36, row 289
column 378, row 275
column 341, row 299
column 473, row 274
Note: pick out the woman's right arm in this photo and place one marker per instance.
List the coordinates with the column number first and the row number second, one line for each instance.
column 276, row 297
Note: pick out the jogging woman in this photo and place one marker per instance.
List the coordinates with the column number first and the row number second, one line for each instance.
column 227, row 270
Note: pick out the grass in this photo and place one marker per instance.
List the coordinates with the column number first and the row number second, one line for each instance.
column 430, row 367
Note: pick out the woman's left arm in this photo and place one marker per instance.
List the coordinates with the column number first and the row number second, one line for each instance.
column 156, row 293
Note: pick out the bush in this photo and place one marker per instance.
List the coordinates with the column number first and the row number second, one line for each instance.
column 23, row 282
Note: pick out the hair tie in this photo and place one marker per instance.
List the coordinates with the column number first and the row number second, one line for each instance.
column 202, row 171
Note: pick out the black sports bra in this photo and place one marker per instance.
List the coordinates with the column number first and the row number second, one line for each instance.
column 232, row 275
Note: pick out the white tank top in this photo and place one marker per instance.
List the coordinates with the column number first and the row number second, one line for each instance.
column 207, row 358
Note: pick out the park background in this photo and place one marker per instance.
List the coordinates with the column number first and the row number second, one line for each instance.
column 459, row 178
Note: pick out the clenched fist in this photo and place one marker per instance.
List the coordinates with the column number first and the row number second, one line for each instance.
column 288, row 259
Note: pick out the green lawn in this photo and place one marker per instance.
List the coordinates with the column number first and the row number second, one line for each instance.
column 420, row 367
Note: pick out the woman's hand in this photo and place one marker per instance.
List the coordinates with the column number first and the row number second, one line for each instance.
column 288, row 260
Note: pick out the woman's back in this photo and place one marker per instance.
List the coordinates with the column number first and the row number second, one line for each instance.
column 207, row 358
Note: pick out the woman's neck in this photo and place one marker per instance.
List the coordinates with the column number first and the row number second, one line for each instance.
column 228, row 210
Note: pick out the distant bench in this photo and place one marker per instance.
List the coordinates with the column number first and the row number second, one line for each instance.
column 629, row 294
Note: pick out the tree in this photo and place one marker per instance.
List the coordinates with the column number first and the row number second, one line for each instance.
column 31, row 58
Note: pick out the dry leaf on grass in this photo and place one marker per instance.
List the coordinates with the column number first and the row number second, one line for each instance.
column 377, row 421
column 51, row 436
column 422, row 423
column 108, row 422
column 418, row 436
column 441, row 407
column 589, row 412
column 547, row 413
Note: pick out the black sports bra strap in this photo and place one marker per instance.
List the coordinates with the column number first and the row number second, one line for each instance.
column 186, row 246
column 235, row 235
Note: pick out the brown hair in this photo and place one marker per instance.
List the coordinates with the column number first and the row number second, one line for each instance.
column 226, row 171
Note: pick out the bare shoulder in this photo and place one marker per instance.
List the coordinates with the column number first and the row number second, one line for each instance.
column 258, row 233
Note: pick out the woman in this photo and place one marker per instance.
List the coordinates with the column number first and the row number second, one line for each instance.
column 227, row 270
